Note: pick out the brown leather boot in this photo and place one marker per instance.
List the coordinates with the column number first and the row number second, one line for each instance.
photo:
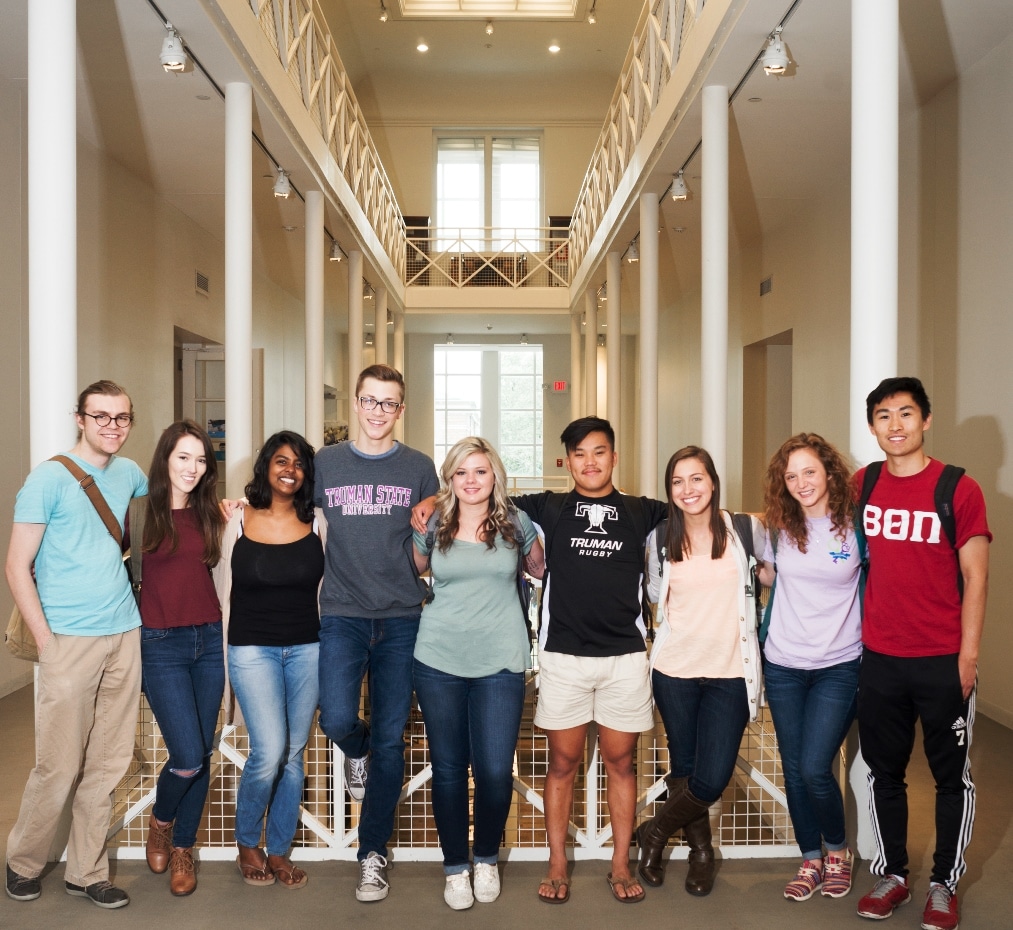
column 182, row 872
column 158, row 845
column 700, row 878
column 652, row 837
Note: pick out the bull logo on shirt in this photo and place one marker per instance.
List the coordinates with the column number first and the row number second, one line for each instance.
column 596, row 515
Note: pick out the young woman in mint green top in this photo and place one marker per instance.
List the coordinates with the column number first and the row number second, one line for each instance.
column 470, row 657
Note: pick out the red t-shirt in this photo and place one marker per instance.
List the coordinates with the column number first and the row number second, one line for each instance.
column 912, row 603
column 176, row 587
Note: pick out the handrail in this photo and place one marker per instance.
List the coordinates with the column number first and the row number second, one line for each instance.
column 298, row 32
column 654, row 52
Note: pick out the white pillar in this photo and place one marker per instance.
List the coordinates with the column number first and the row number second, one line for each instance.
column 576, row 384
column 399, row 365
column 314, row 429
column 648, row 411
column 714, row 285
column 52, row 226
column 380, row 326
column 238, row 286
column 590, row 353
column 354, row 335
column 613, row 340
column 875, row 62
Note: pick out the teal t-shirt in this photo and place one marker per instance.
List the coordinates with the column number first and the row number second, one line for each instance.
column 474, row 626
column 82, row 583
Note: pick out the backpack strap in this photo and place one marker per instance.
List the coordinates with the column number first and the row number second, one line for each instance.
column 768, row 610
column 946, row 487
column 136, row 513
column 743, row 525
column 660, row 537
column 87, row 483
column 635, row 508
column 869, row 480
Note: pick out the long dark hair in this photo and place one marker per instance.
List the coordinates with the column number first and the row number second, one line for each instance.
column 258, row 491
column 677, row 543
column 203, row 499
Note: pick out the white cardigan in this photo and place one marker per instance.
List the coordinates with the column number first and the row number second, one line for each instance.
column 749, row 645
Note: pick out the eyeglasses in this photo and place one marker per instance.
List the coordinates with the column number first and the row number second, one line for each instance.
column 123, row 420
column 387, row 406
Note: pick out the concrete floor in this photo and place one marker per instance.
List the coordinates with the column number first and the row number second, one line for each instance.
column 747, row 894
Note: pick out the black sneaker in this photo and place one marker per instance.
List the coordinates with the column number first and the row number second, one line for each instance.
column 104, row 894
column 20, row 888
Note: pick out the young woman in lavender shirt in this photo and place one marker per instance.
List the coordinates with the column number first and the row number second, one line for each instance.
column 812, row 639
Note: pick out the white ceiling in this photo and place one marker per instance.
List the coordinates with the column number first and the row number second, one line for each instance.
column 784, row 145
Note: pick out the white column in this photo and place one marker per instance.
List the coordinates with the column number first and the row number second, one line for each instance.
column 314, row 429
column 875, row 61
column 576, row 384
column 399, row 365
column 380, row 326
column 354, row 335
column 52, row 226
column 648, row 412
column 714, row 286
column 238, row 287
column 613, row 340
column 590, row 353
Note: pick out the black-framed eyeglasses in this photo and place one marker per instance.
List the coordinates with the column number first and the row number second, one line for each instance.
column 123, row 420
column 387, row 406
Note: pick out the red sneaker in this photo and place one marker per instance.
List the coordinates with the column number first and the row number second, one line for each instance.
column 890, row 893
column 941, row 911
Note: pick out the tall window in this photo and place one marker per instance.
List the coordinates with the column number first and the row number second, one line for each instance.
column 490, row 391
column 489, row 181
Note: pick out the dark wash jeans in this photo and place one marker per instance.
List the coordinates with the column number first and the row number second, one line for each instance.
column 476, row 721
column 812, row 711
column 382, row 651
column 183, row 674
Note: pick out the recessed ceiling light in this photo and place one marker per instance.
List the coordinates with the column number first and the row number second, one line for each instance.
column 553, row 48
column 422, row 47
column 203, row 97
column 755, row 99
column 290, row 228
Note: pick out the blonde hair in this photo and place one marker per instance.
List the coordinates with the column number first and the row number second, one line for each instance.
column 497, row 523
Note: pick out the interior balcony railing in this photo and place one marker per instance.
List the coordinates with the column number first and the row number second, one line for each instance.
column 486, row 257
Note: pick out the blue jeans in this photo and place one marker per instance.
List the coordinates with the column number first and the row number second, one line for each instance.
column 704, row 720
column 351, row 647
column 277, row 691
column 472, row 720
column 812, row 711
column 183, row 675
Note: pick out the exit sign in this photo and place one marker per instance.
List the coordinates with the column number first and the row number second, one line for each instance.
column 559, row 387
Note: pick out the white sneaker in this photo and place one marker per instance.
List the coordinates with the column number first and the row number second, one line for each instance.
column 356, row 772
column 457, row 891
column 372, row 878
column 486, row 882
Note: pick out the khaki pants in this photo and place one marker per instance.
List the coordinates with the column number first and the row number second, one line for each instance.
column 85, row 726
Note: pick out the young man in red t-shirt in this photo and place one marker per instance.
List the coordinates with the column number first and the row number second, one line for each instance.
column 921, row 638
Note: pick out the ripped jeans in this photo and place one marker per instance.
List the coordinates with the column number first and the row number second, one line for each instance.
column 183, row 671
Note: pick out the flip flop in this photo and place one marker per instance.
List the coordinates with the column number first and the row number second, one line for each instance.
column 291, row 876
column 254, row 869
column 556, row 884
column 625, row 884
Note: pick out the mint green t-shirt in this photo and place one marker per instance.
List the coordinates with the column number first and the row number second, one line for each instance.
column 79, row 570
column 474, row 625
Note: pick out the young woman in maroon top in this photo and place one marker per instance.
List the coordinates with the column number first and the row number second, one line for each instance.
column 182, row 655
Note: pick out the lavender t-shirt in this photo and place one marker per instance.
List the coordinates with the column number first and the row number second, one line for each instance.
column 816, row 618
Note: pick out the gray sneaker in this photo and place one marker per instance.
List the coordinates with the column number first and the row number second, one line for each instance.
column 20, row 888
column 104, row 894
column 372, row 878
column 356, row 773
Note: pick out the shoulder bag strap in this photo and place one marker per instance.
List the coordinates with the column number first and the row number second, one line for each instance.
column 87, row 483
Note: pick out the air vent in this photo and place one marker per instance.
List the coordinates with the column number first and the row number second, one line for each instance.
column 202, row 284
column 766, row 285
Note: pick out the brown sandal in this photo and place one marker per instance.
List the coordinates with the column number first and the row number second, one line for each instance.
column 628, row 897
column 253, row 866
column 291, row 876
column 560, row 890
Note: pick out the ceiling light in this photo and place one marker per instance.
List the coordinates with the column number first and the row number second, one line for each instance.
column 524, row 339
column 282, row 186
column 450, row 339
column 390, row 318
column 488, row 28
column 633, row 252
column 367, row 290
column 422, row 47
column 591, row 17
column 336, row 254
column 775, row 58
column 553, row 48
column 173, row 57
column 383, row 12
column 369, row 339
column 679, row 189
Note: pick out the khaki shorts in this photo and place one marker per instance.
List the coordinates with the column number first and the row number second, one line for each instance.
column 613, row 691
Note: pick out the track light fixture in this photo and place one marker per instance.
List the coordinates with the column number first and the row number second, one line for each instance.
column 488, row 28
column 336, row 253
column 450, row 339
column 390, row 318
column 633, row 252
column 282, row 186
column 174, row 58
column 524, row 339
column 775, row 58
column 679, row 189
column 591, row 17
column 383, row 12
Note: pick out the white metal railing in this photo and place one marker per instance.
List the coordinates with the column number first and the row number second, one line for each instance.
column 299, row 35
column 486, row 257
column 654, row 52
